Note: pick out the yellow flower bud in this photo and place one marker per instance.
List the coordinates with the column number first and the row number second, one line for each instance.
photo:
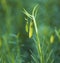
column 26, row 27
column 52, row 39
column 31, row 29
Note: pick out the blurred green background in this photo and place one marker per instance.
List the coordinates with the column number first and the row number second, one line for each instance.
column 15, row 45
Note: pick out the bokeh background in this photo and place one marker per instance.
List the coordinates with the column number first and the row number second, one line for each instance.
column 15, row 44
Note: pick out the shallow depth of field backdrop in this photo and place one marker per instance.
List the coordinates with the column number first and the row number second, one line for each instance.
column 19, row 42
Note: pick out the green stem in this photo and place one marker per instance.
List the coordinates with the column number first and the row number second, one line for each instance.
column 38, row 41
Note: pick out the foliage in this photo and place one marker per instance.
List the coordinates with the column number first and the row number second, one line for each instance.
column 31, row 36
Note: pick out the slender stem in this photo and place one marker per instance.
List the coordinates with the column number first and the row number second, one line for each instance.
column 35, row 24
column 38, row 41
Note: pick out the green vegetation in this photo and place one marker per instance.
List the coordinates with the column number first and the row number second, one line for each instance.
column 29, row 31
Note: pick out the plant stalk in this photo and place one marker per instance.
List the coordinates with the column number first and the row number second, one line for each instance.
column 38, row 41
